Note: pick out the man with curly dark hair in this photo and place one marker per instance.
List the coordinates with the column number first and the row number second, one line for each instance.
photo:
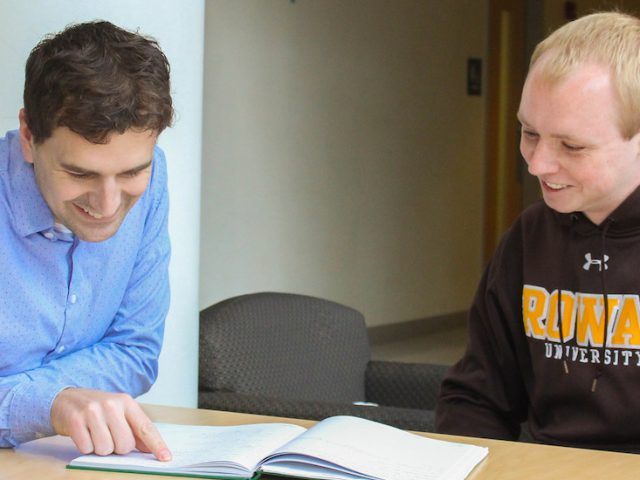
column 84, row 247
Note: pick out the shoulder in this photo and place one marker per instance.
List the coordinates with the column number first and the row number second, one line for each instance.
column 157, row 195
column 159, row 168
column 10, row 157
column 531, row 228
column 538, row 221
column 157, row 191
column 5, row 148
column 536, row 213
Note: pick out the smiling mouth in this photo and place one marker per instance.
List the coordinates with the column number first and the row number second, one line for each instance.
column 554, row 186
column 91, row 213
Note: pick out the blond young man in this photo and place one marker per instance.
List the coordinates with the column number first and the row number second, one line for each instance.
column 554, row 335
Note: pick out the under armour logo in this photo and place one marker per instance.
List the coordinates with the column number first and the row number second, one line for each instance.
column 595, row 261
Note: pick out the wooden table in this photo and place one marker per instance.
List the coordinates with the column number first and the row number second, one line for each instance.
column 47, row 458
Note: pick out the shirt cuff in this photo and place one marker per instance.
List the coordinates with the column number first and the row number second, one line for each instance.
column 30, row 416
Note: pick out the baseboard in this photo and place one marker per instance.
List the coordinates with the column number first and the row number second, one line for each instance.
column 422, row 326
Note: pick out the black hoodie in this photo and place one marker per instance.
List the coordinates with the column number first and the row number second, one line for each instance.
column 579, row 387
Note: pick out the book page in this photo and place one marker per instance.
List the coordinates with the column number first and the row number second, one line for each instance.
column 377, row 451
column 195, row 446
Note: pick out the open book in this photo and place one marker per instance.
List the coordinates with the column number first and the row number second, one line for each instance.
column 337, row 448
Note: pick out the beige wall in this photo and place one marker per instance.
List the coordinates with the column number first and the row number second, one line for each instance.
column 342, row 156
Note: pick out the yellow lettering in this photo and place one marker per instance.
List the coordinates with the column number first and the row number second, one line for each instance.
column 626, row 332
column 590, row 327
column 534, row 310
column 568, row 313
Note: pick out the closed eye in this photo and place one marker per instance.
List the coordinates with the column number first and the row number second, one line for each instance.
column 571, row 147
column 79, row 174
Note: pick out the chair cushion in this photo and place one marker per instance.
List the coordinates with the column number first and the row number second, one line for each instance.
column 284, row 346
column 407, row 385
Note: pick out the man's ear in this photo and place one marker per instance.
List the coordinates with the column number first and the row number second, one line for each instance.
column 26, row 137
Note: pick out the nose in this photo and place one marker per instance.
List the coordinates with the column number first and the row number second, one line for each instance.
column 540, row 159
column 108, row 197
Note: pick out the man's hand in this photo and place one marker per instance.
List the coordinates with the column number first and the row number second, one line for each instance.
column 103, row 423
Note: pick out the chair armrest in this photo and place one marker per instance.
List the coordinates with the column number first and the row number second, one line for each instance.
column 404, row 385
column 405, row 418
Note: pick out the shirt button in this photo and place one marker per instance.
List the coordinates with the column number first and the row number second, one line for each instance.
column 60, row 349
column 73, row 299
column 49, row 235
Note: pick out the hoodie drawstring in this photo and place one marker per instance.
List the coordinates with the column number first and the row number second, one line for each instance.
column 565, row 364
column 605, row 295
column 560, row 329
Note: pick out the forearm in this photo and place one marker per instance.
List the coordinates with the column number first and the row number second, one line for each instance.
column 459, row 413
column 484, row 393
column 26, row 398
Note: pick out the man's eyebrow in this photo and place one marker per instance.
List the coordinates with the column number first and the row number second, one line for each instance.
column 139, row 168
column 74, row 168
column 83, row 171
column 560, row 136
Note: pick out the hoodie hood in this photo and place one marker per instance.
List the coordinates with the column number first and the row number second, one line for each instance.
column 624, row 221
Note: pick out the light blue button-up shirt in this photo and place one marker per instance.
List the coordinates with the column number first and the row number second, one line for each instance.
column 75, row 313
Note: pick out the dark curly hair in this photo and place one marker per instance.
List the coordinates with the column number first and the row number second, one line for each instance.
column 96, row 79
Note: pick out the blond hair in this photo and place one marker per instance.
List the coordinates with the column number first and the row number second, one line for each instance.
column 610, row 39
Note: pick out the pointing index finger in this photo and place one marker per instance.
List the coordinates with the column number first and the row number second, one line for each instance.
column 147, row 434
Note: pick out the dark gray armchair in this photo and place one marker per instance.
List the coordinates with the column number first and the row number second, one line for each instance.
column 298, row 356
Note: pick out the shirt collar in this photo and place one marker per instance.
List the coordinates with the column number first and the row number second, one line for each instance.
column 31, row 213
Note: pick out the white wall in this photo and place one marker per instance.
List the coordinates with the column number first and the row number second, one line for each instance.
column 179, row 28
column 342, row 157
